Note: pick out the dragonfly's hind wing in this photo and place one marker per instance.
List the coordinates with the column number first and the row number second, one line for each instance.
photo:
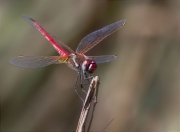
column 102, row 59
column 36, row 61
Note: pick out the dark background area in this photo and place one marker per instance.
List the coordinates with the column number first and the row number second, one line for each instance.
column 140, row 89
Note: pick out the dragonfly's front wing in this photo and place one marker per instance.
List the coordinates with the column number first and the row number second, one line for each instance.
column 97, row 36
column 62, row 48
column 37, row 61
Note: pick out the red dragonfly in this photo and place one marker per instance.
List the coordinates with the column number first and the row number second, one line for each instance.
column 76, row 60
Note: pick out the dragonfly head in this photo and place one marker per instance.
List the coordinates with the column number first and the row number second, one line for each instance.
column 79, row 62
column 89, row 66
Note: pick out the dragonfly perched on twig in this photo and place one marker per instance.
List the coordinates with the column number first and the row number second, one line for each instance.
column 76, row 60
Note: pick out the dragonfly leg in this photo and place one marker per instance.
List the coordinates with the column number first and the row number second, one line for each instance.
column 76, row 89
column 81, row 81
column 88, row 78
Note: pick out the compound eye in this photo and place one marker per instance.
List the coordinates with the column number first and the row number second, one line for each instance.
column 89, row 66
column 85, row 65
column 92, row 67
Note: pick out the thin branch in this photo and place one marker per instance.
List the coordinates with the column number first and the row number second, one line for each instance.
column 94, row 104
column 107, row 125
column 91, row 95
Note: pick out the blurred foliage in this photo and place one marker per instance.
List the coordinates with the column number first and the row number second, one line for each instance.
column 140, row 89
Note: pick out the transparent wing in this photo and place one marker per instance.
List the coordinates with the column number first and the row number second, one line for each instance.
column 36, row 61
column 57, row 44
column 94, row 38
column 102, row 59
column 64, row 46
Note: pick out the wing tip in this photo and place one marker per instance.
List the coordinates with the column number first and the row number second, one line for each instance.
column 115, row 56
column 11, row 61
column 27, row 18
column 24, row 17
column 124, row 21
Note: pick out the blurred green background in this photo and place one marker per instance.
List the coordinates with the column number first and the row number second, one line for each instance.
column 140, row 89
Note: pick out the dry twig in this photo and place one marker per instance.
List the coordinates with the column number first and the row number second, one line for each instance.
column 91, row 95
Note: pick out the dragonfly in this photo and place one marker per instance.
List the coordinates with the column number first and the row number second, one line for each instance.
column 77, row 60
